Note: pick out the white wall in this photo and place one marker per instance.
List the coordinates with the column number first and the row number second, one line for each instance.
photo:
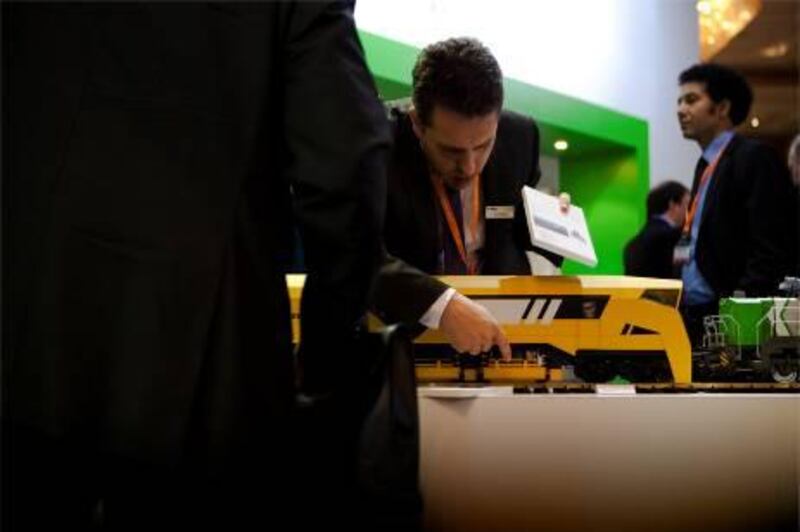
column 622, row 54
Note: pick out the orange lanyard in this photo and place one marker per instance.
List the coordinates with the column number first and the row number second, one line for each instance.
column 455, row 232
column 709, row 171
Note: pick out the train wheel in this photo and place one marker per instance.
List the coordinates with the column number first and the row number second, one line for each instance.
column 718, row 364
column 784, row 370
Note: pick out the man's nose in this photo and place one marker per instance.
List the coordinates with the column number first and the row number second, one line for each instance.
column 469, row 164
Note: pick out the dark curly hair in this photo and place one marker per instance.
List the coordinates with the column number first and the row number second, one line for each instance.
column 460, row 74
column 722, row 83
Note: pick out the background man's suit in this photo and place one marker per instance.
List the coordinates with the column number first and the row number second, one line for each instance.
column 649, row 253
column 412, row 225
column 149, row 151
column 747, row 238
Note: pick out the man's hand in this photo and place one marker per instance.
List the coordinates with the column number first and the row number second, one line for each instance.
column 564, row 201
column 471, row 329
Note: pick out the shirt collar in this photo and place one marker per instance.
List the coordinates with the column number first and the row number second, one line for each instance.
column 667, row 219
column 713, row 149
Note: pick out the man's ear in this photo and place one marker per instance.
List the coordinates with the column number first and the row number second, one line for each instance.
column 416, row 123
column 724, row 108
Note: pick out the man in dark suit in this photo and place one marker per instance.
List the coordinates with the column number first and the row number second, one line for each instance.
column 650, row 252
column 738, row 234
column 455, row 174
column 149, row 154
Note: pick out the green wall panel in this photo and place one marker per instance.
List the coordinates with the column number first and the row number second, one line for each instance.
column 605, row 185
column 605, row 169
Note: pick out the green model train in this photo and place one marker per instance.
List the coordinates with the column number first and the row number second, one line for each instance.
column 753, row 338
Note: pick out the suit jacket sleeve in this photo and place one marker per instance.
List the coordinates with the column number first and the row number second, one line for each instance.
column 337, row 135
column 404, row 293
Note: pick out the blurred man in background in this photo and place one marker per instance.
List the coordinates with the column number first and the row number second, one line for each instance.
column 650, row 252
column 737, row 236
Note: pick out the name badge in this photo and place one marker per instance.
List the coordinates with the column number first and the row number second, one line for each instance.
column 499, row 212
column 682, row 252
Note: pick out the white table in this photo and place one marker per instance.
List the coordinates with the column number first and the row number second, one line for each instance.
column 491, row 460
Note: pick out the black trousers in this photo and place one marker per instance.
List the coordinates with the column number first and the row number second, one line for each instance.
column 360, row 444
column 350, row 461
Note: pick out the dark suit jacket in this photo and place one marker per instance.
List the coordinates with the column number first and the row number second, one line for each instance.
column 412, row 226
column 149, row 151
column 649, row 253
column 747, row 238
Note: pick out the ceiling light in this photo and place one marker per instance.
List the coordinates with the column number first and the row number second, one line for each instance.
column 561, row 145
column 755, row 122
column 775, row 50
column 721, row 20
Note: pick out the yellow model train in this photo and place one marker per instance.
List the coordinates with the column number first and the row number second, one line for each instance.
column 596, row 327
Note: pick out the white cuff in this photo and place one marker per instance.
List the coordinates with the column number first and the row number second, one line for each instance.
column 433, row 315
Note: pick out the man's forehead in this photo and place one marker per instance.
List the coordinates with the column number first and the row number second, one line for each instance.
column 451, row 127
column 693, row 87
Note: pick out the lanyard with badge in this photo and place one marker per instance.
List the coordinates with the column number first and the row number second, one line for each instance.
column 682, row 252
column 452, row 224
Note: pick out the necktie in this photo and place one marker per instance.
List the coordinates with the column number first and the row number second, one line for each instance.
column 701, row 166
column 453, row 265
